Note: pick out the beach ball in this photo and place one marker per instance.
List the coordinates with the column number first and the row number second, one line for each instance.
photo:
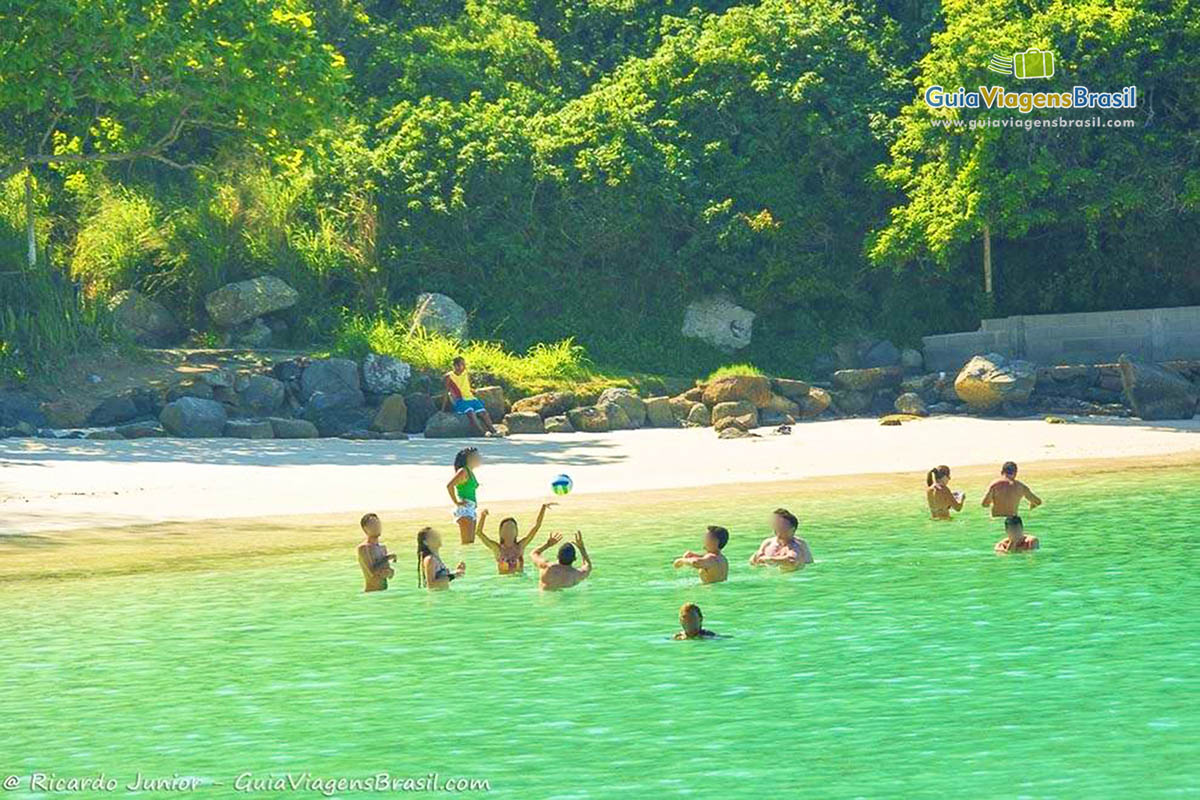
column 562, row 484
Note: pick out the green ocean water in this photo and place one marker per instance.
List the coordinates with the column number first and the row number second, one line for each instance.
column 909, row 661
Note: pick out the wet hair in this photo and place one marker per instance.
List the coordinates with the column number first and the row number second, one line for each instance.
column 720, row 534
column 1009, row 468
column 789, row 516
column 1013, row 522
column 566, row 554
column 370, row 516
column 460, row 458
column 422, row 551
column 936, row 474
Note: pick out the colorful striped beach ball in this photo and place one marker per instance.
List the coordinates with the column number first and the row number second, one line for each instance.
column 562, row 484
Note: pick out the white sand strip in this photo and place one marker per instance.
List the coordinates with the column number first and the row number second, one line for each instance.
column 59, row 485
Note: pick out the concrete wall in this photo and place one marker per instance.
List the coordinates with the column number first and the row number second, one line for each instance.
column 1154, row 334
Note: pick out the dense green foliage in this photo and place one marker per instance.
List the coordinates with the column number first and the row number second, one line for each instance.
column 582, row 169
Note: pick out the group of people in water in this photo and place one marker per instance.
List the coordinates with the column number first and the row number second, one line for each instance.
column 783, row 549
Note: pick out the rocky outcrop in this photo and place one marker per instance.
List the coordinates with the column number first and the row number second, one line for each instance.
column 754, row 389
column 547, row 404
column 618, row 420
column 1157, row 393
column 817, row 401
column 991, row 381
column 420, row 409
column 241, row 302
column 851, row 403
column 445, row 425
column 880, row 354
column 659, row 413
column 335, row 413
column 384, row 374
column 261, row 394
column 286, row 428
column 912, row 360
column 589, row 419
column 719, row 322
column 558, row 424
column 148, row 321
column 740, row 412
column 519, row 422
column 333, row 377
column 793, row 390
column 392, row 415
column 125, row 406
column 194, row 418
column 632, row 405
column 867, row 379
column 699, row 416
column 438, row 313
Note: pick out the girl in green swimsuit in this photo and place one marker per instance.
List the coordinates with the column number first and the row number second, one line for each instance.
column 462, row 492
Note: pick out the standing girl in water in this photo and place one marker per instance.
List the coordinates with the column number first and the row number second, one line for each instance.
column 509, row 550
column 431, row 570
column 462, row 492
column 941, row 499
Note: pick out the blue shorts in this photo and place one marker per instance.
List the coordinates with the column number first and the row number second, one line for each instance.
column 463, row 406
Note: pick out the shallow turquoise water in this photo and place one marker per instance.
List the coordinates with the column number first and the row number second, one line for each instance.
column 908, row 662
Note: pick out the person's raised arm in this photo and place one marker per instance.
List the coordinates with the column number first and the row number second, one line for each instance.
column 1034, row 500
column 537, row 554
column 459, row 477
column 537, row 525
column 586, row 568
column 491, row 545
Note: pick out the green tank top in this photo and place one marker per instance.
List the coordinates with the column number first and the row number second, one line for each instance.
column 466, row 489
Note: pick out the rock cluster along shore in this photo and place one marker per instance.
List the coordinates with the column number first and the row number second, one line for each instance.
column 381, row 397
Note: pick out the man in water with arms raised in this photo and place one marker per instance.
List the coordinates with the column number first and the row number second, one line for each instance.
column 562, row 574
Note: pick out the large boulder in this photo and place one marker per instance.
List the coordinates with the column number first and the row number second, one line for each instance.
column 1157, row 393
column 699, row 416
column 123, row 407
column 618, row 419
column 494, row 401
column 194, row 418
column 742, row 412
column 589, row 419
column 779, row 411
column 392, row 415
column 880, row 354
column 912, row 360
column 333, row 377
column 991, row 381
column 287, row 428
column 850, row 402
column 659, row 413
column 420, row 408
column 524, row 422
column 791, row 389
column 440, row 314
column 719, row 322
column 754, row 389
column 815, row 403
column 547, row 404
column 261, row 394
column 558, row 424
column 384, row 374
column 335, row 413
column 633, row 406
column 444, row 425
column 868, row 379
column 911, row 403
column 240, row 302
column 147, row 321
column 249, row 429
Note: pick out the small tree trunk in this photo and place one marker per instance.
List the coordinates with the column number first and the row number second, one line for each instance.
column 987, row 259
column 30, row 233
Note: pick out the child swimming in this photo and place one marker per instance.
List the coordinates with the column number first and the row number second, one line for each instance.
column 1015, row 540
column 941, row 499
column 462, row 488
column 509, row 550
column 691, row 619
column 712, row 564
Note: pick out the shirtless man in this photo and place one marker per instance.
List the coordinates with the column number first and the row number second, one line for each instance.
column 373, row 557
column 712, row 564
column 1005, row 494
column 691, row 619
column 784, row 549
column 1015, row 540
column 562, row 575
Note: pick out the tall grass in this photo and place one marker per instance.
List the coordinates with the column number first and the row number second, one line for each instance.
column 735, row 370
column 541, row 367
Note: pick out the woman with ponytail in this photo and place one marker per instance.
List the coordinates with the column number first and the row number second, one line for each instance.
column 941, row 499
column 431, row 570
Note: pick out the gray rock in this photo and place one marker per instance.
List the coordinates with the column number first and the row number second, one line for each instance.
column 494, row 401
column 912, row 360
column 868, row 379
column 659, row 413
column 104, row 434
column 336, row 413
column 793, row 390
column 618, row 420
column 194, row 418
column 20, row 407
column 559, row 424
column 850, row 402
column 115, row 410
column 444, row 425
column 256, row 334
column 547, row 404
column 720, row 322
column 589, row 419
column 1157, row 393
column 420, row 409
column 742, row 412
column 287, row 428
column 360, row 435
column 142, row 430
column 190, row 388
column 440, row 314
column 699, row 416
column 633, row 406
column 240, row 302
column 392, row 415
column 333, row 377
column 384, row 374
column 524, row 422
column 262, row 394
column 911, row 403
column 249, row 429
column 881, row 354
column 148, row 321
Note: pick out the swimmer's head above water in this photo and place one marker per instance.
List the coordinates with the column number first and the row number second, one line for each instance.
column 566, row 554
column 371, row 525
column 1009, row 469
column 939, row 474
column 715, row 538
column 508, row 531
column 784, row 522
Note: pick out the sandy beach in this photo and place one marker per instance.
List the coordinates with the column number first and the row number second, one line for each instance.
column 55, row 486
